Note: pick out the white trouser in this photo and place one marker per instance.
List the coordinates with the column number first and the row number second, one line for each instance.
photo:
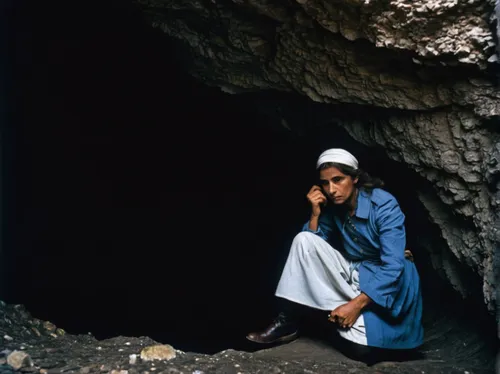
column 318, row 276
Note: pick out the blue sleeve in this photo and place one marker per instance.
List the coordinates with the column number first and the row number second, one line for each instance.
column 325, row 227
column 383, row 285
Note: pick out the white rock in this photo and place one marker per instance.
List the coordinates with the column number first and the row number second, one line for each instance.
column 19, row 359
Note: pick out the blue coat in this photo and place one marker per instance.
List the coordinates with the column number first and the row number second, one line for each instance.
column 377, row 241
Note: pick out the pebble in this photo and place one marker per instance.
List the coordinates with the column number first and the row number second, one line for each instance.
column 132, row 359
column 60, row 332
column 19, row 359
column 158, row 352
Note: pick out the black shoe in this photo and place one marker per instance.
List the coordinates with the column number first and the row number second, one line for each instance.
column 281, row 330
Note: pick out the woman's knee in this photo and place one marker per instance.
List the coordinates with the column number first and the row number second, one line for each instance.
column 304, row 237
column 304, row 242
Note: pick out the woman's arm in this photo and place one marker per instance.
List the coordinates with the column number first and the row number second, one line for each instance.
column 384, row 284
column 318, row 223
column 323, row 224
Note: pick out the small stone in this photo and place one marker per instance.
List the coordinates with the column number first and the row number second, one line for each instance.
column 132, row 359
column 60, row 332
column 36, row 331
column 119, row 372
column 43, row 371
column 85, row 370
column 49, row 326
column 8, row 338
column 18, row 360
column 158, row 352
column 493, row 58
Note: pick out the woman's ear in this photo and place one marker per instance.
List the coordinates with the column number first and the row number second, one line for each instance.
column 355, row 180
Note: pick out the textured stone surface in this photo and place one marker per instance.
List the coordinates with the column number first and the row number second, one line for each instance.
column 158, row 352
column 19, row 359
column 421, row 62
column 455, row 157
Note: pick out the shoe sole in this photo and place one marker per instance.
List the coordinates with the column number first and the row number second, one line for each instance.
column 283, row 339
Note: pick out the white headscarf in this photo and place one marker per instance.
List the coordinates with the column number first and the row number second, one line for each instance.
column 339, row 156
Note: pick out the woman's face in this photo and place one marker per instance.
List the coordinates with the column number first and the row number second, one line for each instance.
column 338, row 187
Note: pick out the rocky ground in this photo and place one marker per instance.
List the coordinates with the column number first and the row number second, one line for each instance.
column 29, row 345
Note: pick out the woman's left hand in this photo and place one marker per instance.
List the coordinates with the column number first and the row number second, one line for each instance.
column 346, row 314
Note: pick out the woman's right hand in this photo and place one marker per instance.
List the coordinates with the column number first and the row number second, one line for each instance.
column 316, row 198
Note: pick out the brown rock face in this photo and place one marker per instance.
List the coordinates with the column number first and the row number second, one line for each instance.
column 424, row 64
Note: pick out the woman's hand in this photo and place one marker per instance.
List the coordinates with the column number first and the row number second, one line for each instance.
column 346, row 314
column 316, row 198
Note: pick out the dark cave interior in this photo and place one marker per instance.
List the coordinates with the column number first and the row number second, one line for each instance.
column 140, row 202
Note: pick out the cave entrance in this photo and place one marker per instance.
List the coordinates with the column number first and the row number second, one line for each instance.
column 145, row 203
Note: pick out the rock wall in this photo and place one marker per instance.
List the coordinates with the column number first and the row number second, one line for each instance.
column 427, row 66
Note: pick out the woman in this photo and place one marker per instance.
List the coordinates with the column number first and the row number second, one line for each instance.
column 370, row 290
